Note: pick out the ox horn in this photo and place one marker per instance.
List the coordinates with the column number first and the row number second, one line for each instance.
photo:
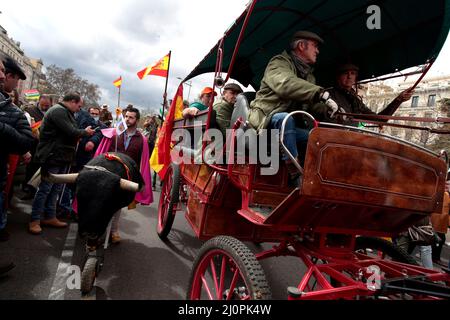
column 61, row 178
column 129, row 185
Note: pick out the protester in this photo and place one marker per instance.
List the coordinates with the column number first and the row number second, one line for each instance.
column 106, row 116
column 56, row 150
column 130, row 142
column 37, row 114
column 16, row 138
column 150, row 131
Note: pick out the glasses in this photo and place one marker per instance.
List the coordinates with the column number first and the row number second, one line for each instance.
column 95, row 114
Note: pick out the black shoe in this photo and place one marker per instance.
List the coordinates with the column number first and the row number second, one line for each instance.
column 4, row 235
column 6, row 267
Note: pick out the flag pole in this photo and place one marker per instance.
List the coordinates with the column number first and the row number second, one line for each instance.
column 118, row 102
column 167, row 80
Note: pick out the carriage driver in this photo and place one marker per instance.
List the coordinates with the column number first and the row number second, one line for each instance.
column 289, row 85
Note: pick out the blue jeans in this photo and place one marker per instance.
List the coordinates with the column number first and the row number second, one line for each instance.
column 292, row 134
column 66, row 201
column 44, row 203
column 425, row 257
column 3, row 213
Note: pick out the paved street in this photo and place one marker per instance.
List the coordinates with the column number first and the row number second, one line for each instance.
column 140, row 267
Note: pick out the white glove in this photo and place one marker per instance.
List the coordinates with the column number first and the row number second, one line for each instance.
column 332, row 106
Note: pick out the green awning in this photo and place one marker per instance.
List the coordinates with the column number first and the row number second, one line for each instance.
column 412, row 32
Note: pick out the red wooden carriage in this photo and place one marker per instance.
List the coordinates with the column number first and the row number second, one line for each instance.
column 358, row 185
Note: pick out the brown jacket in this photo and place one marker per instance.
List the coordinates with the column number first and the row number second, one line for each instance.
column 440, row 221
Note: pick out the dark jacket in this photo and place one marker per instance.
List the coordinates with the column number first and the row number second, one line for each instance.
column 36, row 113
column 15, row 133
column 59, row 136
column 84, row 120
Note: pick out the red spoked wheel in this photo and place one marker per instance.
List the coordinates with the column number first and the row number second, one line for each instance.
column 168, row 199
column 226, row 269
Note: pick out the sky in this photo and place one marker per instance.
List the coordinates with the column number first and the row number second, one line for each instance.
column 103, row 39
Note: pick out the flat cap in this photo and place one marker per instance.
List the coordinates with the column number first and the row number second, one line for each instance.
column 13, row 67
column 234, row 87
column 306, row 35
column 344, row 67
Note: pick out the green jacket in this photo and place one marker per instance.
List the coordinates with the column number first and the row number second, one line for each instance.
column 282, row 91
column 58, row 137
column 224, row 110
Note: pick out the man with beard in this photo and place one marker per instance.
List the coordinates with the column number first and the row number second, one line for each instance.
column 130, row 143
column 15, row 137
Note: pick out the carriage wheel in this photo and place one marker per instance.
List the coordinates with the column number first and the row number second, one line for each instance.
column 88, row 275
column 225, row 269
column 381, row 248
column 169, row 197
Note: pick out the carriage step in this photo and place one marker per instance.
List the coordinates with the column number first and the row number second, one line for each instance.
column 263, row 210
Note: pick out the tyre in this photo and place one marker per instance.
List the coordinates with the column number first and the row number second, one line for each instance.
column 383, row 249
column 225, row 269
column 88, row 275
column 170, row 193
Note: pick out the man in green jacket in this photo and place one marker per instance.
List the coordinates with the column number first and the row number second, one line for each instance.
column 289, row 85
column 224, row 107
column 59, row 135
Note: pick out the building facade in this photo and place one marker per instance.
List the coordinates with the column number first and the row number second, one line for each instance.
column 31, row 67
column 426, row 103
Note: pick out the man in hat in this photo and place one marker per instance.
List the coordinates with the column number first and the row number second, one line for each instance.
column 225, row 105
column 105, row 115
column 15, row 136
column 289, row 85
column 347, row 98
column 205, row 99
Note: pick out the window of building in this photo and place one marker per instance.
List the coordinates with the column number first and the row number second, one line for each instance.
column 415, row 101
column 431, row 100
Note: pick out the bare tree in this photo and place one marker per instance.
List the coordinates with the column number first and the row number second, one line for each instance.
column 60, row 81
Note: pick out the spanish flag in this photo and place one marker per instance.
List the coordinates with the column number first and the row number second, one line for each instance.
column 160, row 159
column 118, row 82
column 159, row 68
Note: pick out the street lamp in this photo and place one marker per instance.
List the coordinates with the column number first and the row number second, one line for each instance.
column 188, row 83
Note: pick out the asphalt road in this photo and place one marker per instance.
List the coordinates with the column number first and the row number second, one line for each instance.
column 140, row 267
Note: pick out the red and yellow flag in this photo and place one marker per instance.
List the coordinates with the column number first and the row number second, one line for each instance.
column 159, row 68
column 160, row 159
column 118, row 82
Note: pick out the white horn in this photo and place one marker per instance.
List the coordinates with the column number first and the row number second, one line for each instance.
column 129, row 185
column 61, row 178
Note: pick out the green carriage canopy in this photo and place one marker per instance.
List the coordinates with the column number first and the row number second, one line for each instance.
column 412, row 32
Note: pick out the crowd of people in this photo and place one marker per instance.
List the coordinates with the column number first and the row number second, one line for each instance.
column 56, row 136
